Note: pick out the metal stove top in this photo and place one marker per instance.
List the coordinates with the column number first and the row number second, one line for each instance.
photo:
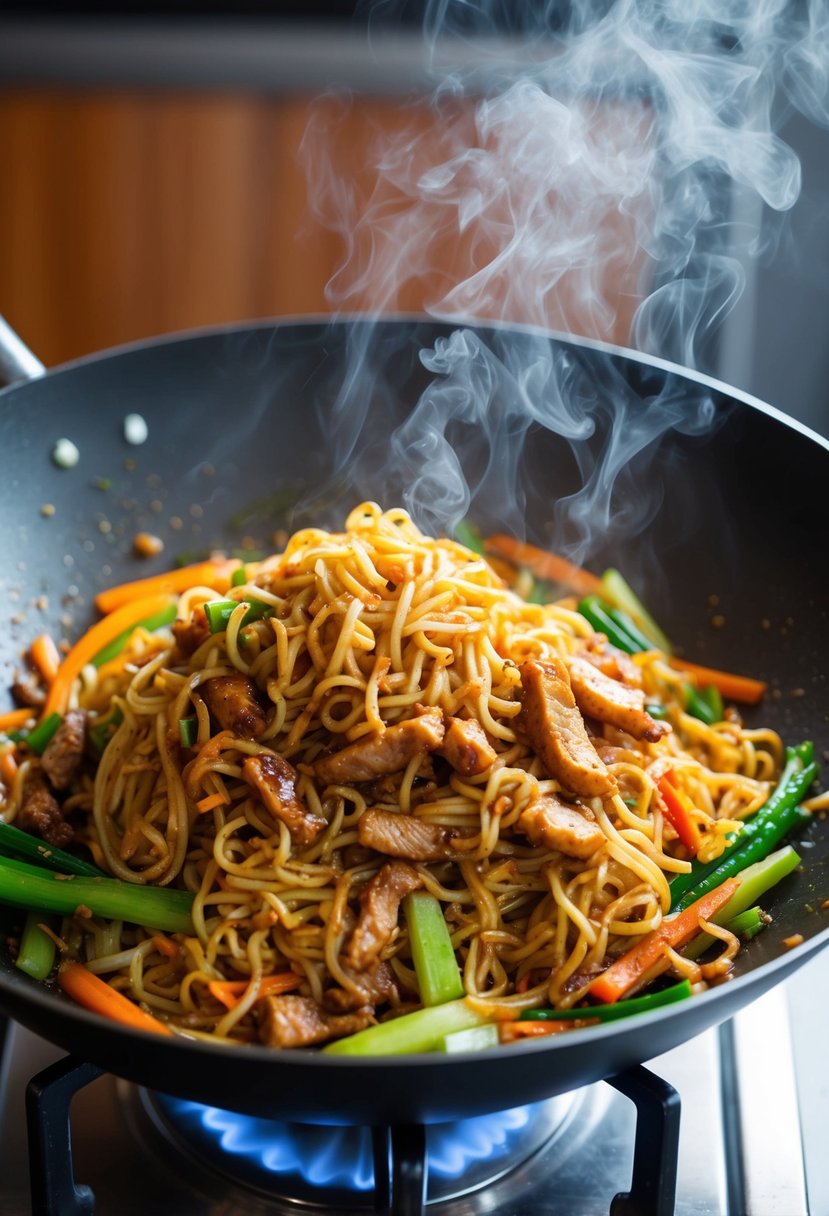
column 755, row 1098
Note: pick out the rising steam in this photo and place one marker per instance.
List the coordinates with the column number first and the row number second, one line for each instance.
column 575, row 168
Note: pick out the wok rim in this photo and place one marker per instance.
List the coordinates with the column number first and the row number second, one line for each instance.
column 24, row 991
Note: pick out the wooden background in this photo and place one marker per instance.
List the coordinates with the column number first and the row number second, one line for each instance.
column 125, row 215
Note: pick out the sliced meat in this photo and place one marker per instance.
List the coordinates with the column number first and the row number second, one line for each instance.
column 234, row 702
column 553, row 824
column 41, row 814
column 376, row 986
column 557, row 732
column 612, row 662
column 399, row 835
column 466, row 747
column 63, row 753
column 190, row 634
column 29, row 694
column 599, row 696
column 386, row 753
column 274, row 780
column 379, row 911
column 298, row 1021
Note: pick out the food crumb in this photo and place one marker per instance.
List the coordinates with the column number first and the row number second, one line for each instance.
column 766, row 623
column 104, row 526
column 176, row 523
column 147, row 545
column 795, row 940
column 101, row 483
column 65, row 454
column 47, row 509
column 84, row 912
column 713, row 601
column 824, row 905
column 718, row 621
column 41, row 603
column 797, row 692
column 135, row 429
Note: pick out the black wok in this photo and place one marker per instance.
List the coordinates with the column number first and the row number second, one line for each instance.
column 742, row 515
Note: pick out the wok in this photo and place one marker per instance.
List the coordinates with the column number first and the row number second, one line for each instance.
column 247, row 434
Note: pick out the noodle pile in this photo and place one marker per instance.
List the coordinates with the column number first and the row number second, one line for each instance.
column 368, row 627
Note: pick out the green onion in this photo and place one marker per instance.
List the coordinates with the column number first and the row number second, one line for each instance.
column 755, row 880
column 436, row 968
column 188, row 729
column 157, row 621
column 712, row 697
column 619, row 1009
column 36, row 955
column 628, row 627
column 37, row 739
column 239, row 576
column 594, row 611
column 218, row 612
column 25, row 886
column 103, row 730
column 660, row 712
column 30, row 848
column 478, row 1038
column 760, row 835
column 621, row 595
column 697, row 706
column 423, row 1030
column 749, row 923
column 469, row 534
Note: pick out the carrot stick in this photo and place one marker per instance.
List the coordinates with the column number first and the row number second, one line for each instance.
column 164, row 946
column 211, row 574
column 628, row 970
column 508, row 1032
column 15, row 718
column 732, row 687
column 212, row 800
column 92, row 642
column 543, row 564
column 230, row 992
column 45, row 656
column 8, row 767
column 96, row 995
column 677, row 811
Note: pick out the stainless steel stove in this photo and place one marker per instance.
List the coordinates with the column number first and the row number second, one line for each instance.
column 754, row 1106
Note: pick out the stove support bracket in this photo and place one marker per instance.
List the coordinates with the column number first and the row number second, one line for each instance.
column 656, row 1148
column 48, row 1098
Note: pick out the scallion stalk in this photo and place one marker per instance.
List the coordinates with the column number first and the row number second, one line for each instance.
column 438, row 975
column 423, row 1030
column 38, row 739
column 618, row 1009
column 36, row 955
column 28, row 848
column 157, row 621
column 218, row 612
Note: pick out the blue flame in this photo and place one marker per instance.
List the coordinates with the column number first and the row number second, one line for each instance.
column 340, row 1157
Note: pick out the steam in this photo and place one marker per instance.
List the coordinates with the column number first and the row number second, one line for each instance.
column 577, row 168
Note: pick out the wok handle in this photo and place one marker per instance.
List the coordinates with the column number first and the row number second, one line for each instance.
column 17, row 362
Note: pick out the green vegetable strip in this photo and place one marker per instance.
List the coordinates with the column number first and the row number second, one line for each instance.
column 782, row 802
column 622, row 596
column 755, row 880
column 697, row 706
column 423, row 1030
column 30, row 848
column 657, row 711
column 478, row 1038
column 469, row 534
column 623, row 621
column 748, row 924
column 620, row 1009
column 151, row 623
column 25, row 886
column 103, row 730
column 593, row 610
column 188, row 729
column 37, row 739
column 713, row 699
column 37, row 950
column 218, row 612
column 438, row 975
column 239, row 576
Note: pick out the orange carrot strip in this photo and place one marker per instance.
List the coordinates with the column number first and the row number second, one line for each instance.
column 15, row 718
column 8, row 768
column 508, row 1032
column 733, row 687
column 544, row 564
column 92, row 642
column 212, row 800
column 230, row 992
column 45, row 656
column 677, row 811
column 164, row 946
column 96, row 995
column 212, row 574
column 675, row 932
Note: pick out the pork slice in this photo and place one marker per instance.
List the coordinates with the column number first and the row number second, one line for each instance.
column 466, row 747
column 379, row 910
column 63, row 753
column 376, row 986
column 557, row 732
column 390, row 752
column 234, row 702
column 551, row 823
column 274, row 780
column 190, row 634
column 613, row 663
column 41, row 814
column 598, row 696
column 399, row 835
column 298, row 1021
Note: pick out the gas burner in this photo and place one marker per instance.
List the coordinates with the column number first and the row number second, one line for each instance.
column 325, row 1168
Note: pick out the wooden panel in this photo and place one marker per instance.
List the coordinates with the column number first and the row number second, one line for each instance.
column 130, row 214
